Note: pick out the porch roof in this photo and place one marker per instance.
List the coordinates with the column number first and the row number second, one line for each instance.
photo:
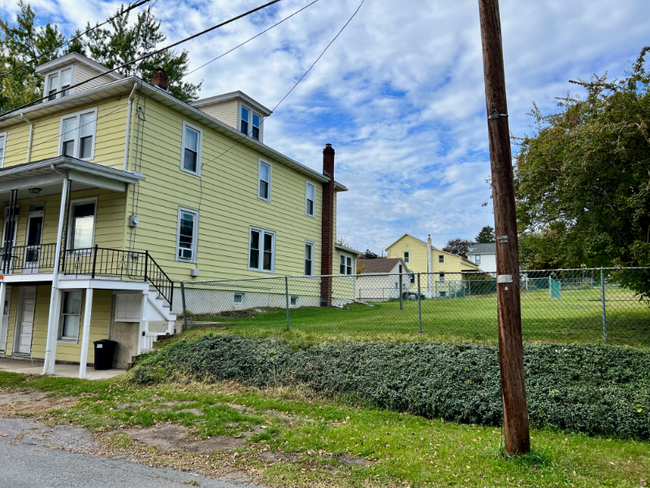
column 47, row 174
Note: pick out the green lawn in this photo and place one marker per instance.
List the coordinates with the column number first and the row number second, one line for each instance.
column 308, row 441
column 576, row 317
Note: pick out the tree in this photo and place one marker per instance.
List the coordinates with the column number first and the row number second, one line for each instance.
column 371, row 255
column 111, row 46
column 124, row 42
column 458, row 246
column 20, row 43
column 583, row 177
column 485, row 236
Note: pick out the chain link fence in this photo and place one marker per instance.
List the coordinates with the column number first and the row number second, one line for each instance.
column 603, row 305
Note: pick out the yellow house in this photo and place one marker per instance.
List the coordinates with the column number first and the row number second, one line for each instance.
column 113, row 191
column 441, row 270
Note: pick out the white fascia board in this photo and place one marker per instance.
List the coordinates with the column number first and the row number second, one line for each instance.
column 236, row 95
column 349, row 249
column 76, row 58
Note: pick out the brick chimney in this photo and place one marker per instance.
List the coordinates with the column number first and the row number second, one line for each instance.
column 327, row 240
column 160, row 79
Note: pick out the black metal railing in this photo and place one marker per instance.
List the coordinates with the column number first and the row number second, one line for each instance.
column 27, row 259
column 91, row 262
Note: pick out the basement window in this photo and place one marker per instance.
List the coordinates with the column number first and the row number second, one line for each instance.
column 239, row 299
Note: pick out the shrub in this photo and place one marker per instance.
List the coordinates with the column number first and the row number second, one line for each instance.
column 590, row 389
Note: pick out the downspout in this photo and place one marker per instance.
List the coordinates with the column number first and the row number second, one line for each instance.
column 31, row 137
column 128, row 127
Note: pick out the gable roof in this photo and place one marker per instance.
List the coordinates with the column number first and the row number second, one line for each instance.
column 407, row 234
column 125, row 85
column 490, row 248
column 382, row 265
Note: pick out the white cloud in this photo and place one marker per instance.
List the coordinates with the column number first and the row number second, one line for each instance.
column 400, row 94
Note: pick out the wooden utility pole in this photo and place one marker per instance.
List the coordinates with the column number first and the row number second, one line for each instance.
column 511, row 349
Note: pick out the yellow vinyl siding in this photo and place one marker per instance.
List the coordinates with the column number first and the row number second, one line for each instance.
column 99, row 324
column 16, row 144
column 109, row 141
column 226, row 112
column 110, row 223
column 227, row 200
column 417, row 253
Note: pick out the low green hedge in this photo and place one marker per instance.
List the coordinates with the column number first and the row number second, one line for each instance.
column 591, row 389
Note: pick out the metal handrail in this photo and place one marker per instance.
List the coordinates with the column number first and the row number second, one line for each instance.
column 90, row 261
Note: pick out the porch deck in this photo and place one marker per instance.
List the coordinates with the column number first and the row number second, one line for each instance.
column 35, row 366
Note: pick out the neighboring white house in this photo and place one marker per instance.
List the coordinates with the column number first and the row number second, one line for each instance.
column 484, row 256
column 378, row 279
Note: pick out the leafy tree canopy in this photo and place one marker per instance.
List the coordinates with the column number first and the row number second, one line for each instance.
column 458, row 246
column 120, row 43
column 371, row 255
column 485, row 236
column 112, row 46
column 583, row 177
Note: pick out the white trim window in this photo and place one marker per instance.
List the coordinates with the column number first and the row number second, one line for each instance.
column 192, row 143
column 310, row 200
column 441, row 258
column 346, row 264
column 77, row 134
column 3, row 144
column 264, row 175
column 477, row 259
column 57, row 81
column 441, row 277
column 239, row 299
column 412, row 279
column 294, row 300
column 187, row 233
column 310, row 253
column 261, row 250
column 82, row 224
column 250, row 123
column 70, row 316
column 407, row 256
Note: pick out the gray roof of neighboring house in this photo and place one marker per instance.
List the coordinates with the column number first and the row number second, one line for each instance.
column 382, row 265
column 483, row 248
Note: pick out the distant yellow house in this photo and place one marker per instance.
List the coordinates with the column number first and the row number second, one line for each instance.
column 441, row 270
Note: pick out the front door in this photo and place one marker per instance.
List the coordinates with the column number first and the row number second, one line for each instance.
column 4, row 326
column 25, row 319
column 33, row 241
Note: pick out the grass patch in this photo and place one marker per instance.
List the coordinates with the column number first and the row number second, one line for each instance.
column 308, row 438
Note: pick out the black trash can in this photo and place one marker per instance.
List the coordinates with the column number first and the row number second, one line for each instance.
column 104, row 352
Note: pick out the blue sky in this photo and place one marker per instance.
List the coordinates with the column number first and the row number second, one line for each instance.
column 399, row 95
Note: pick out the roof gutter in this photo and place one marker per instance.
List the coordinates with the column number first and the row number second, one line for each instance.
column 31, row 137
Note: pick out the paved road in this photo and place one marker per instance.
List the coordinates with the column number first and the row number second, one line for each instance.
column 35, row 456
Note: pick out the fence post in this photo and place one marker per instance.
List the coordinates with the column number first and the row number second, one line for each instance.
column 286, row 292
column 184, row 307
column 401, row 289
column 550, row 288
column 602, row 299
column 419, row 305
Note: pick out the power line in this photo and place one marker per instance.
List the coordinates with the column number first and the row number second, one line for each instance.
column 170, row 46
column 246, row 136
column 252, row 38
column 128, row 9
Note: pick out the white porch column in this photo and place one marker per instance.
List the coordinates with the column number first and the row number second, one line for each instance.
column 55, row 296
column 143, row 323
column 88, row 308
column 3, row 332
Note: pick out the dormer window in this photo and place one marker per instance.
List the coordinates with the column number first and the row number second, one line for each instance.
column 250, row 123
column 59, row 81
